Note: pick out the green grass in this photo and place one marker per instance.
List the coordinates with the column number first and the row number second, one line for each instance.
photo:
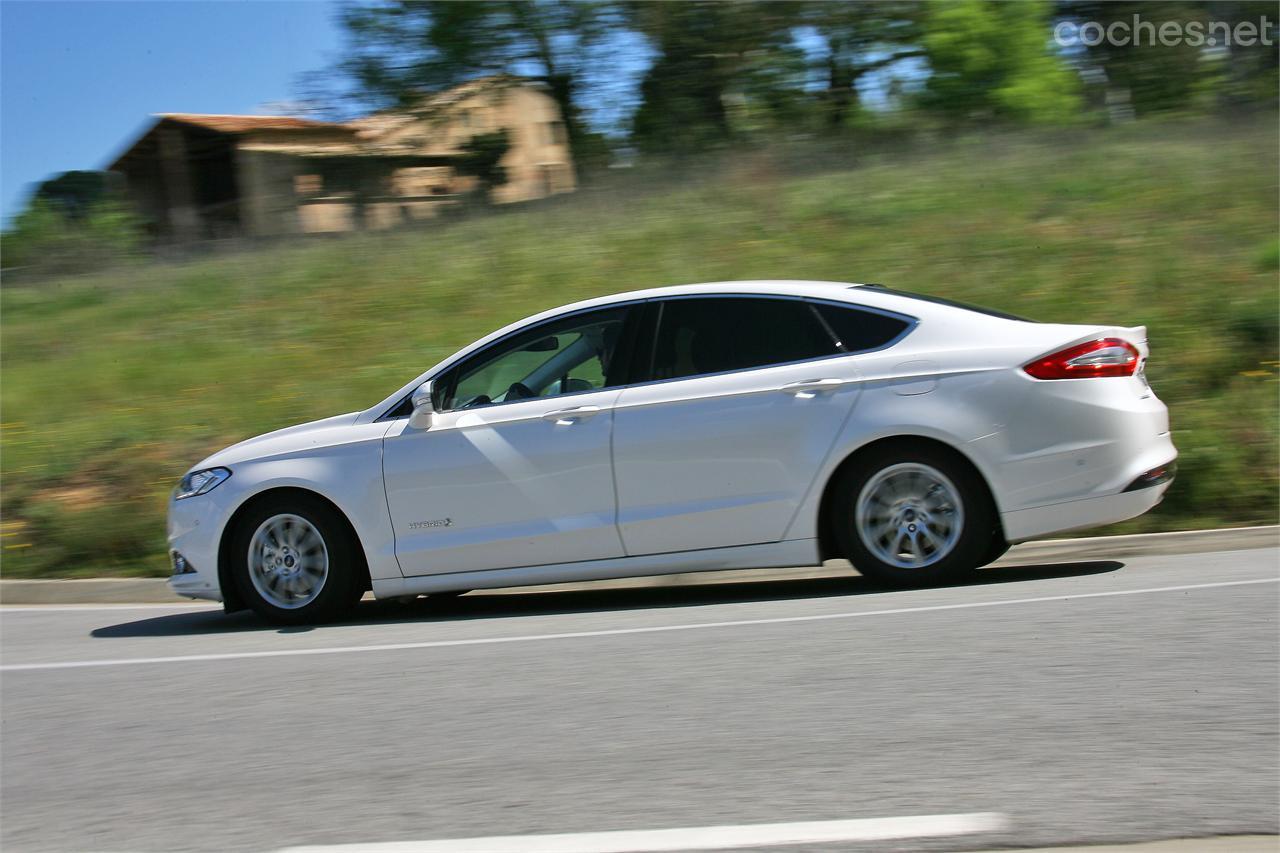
column 113, row 384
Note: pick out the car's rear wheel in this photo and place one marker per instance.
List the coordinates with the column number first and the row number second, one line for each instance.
column 296, row 561
column 912, row 515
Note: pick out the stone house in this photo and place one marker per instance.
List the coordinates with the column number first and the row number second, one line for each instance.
column 195, row 177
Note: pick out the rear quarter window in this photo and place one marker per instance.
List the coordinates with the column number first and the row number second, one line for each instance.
column 859, row 329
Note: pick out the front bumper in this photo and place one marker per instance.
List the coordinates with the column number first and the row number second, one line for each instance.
column 195, row 586
column 195, row 526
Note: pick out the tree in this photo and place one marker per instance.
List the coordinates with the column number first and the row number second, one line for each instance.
column 1144, row 74
column 74, row 222
column 1156, row 76
column 1251, row 77
column 47, row 238
column 74, row 194
column 708, row 53
column 399, row 51
column 859, row 39
column 992, row 60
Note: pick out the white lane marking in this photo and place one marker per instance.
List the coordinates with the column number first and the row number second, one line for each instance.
column 695, row 837
column 611, row 632
column 58, row 608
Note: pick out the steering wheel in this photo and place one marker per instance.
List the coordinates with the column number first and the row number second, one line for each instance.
column 519, row 391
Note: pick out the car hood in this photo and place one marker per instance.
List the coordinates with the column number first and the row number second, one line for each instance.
column 281, row 442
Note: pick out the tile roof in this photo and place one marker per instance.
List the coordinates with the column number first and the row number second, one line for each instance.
column 246, row 124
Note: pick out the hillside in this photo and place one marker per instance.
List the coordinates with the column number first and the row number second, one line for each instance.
column 113, row 384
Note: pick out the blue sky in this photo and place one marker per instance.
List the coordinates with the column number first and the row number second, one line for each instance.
column 78, row 79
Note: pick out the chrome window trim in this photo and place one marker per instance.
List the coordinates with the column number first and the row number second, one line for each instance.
column 912, row 323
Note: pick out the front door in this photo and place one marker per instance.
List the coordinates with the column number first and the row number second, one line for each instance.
column 515, row 470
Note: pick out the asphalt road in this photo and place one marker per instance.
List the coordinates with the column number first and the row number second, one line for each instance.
column 1085, row 702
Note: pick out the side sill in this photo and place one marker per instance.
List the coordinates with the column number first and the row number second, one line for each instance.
column 772, row 555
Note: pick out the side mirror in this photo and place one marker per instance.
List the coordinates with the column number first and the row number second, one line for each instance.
column 423, row 407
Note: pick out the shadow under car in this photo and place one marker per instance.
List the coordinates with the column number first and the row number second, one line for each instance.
column 496, row 604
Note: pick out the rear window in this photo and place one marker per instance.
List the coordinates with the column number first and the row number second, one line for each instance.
column 859, row 330
column 939, row 300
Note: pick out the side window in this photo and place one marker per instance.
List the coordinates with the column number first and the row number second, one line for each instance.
column 714, row 334
column 860, row 330
column 560, row 357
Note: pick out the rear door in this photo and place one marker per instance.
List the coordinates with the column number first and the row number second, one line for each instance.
column 744, row 398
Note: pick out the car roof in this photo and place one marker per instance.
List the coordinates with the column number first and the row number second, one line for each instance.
column 864, row 294
column 782, row 287
column 869, row 295
column 840, row 290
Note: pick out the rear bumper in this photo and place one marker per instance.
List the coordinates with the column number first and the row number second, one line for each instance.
column 1158, row 476
column 1135, row 500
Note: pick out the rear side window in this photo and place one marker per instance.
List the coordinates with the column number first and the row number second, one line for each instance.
column 860, row 330
column 716, row 334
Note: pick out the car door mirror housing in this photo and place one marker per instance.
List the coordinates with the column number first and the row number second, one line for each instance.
column 423, row 405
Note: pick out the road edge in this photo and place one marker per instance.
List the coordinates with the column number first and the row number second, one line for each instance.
column 156, row 591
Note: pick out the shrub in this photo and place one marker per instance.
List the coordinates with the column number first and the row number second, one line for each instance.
column 46, row 241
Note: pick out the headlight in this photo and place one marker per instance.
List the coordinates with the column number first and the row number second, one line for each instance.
column 199, row 482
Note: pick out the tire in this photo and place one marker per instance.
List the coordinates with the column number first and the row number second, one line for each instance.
column 996, row 548
column 912, row 515
column 296, row 562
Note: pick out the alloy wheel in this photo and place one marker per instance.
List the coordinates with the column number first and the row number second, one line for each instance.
column 909, row 515
column 288, row 561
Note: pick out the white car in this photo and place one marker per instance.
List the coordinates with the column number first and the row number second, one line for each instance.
column 711, row 426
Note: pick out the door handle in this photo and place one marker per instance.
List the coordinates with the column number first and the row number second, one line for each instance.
column 568, row 416
column 813, row 386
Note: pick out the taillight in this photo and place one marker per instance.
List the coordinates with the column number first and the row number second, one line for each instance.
column 1093, row 360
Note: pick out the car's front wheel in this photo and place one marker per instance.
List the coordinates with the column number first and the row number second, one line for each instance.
column 912, row 515
column 296, row 561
